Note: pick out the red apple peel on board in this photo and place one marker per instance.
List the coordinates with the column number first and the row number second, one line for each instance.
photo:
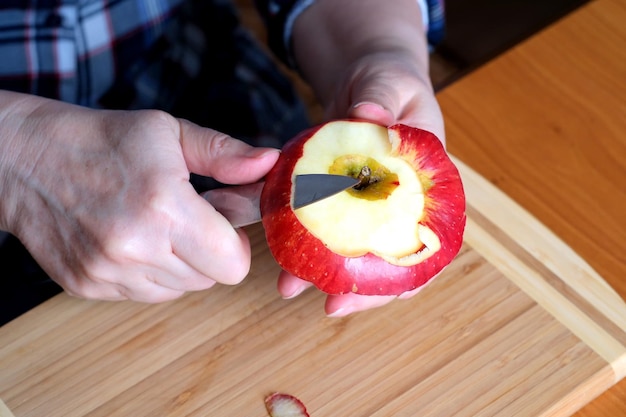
column 284, row 405
column 392, row 233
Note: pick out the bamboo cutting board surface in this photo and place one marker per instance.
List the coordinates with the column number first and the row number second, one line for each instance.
column 517, row 325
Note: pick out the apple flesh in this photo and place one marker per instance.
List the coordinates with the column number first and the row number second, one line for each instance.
column 391, row 233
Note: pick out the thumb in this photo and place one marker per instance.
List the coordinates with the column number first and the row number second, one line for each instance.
column 214, row 154
column 373, row 112
column 381, row 103
column 373, row 98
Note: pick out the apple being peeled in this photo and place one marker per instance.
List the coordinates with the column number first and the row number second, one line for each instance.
column 391, row 233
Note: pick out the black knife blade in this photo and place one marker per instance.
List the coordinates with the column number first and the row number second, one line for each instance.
column 240, row 204
column 311, row 188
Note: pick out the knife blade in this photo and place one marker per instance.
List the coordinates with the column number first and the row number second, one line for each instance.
column 239, row 204
column 311, row 188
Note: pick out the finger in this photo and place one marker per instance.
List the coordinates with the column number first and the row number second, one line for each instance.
column 342, row 305
column 96, row 291
column 290, row 286
column 388, row 99
column 409, row 294
column 421, row 112
column 373, row 112
column 175, row 274
column 207, row 242
column 345, row 304
column 375, row 98
column 228, row 160
column 148, row 290
column 141, row 285
column 80, row 285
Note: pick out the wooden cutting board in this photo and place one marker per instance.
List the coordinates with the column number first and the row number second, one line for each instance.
column 517, row 325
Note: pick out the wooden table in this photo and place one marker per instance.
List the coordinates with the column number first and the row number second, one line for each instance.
column 517, row 325
column 546, row 123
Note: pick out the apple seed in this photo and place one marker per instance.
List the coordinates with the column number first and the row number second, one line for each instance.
column 376, row 182
column 365, row 178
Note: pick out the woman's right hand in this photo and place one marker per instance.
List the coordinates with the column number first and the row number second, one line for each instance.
column 102, row 199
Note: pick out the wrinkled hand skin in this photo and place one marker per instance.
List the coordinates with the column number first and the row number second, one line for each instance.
column 102, row 199
column 386, row 88
column 378, row 71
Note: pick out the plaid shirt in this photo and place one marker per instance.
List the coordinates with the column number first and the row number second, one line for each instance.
column 280, row 15
column 73, row 49
column 134, row 54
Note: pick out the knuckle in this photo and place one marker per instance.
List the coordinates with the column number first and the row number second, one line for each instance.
column 83, row 289
column 74, row 292
column 218, row 144
column 155, row 118
column 132, row 239
column 115, row 248
column 139, row 122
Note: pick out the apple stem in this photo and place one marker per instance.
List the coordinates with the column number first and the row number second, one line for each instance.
column 364, row 178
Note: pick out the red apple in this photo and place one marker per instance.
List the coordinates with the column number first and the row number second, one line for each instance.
column 391, row 234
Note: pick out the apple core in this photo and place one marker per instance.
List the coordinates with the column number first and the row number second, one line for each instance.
column 376, row 182
column 380, row 217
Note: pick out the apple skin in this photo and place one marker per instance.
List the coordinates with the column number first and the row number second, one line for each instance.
column 284, row 405
column 300, row 253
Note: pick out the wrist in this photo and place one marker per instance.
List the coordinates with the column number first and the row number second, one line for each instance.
column 333, row 35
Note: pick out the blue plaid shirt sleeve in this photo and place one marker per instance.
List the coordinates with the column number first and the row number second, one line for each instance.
column 281, row 14
column 73, row 49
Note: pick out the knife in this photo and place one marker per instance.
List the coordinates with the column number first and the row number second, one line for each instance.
column 240, row 203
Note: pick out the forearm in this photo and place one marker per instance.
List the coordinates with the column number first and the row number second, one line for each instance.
column 332, row 34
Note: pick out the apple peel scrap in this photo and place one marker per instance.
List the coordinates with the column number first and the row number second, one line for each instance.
column 284, row 405
column 392, row 233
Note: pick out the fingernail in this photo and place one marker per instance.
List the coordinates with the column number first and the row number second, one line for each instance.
column 363, row 103
column 294, row 294
column 261, row 152
column 340, row 312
